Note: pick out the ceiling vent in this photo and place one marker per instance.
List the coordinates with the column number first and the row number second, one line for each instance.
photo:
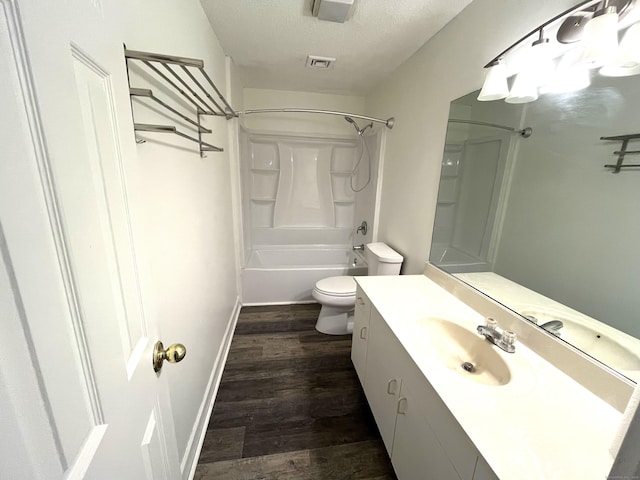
column 313, row 61
column 332, row 10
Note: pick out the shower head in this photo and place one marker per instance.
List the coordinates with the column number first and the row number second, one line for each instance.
column 355, row 125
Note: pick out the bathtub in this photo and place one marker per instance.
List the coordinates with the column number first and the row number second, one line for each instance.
column 453, row 260
column 287, row 274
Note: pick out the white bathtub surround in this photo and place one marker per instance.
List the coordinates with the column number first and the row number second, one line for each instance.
column 540, row 425
column 299, row 211
column 292, row 181
column 456, row 260
column 283, row 274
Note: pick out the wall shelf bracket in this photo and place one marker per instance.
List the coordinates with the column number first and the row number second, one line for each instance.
column 625, row 139
column 187, row 78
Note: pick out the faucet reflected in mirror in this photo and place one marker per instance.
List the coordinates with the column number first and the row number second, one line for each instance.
column 539, row 224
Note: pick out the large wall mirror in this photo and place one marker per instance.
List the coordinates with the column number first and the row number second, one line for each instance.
column 539, row 223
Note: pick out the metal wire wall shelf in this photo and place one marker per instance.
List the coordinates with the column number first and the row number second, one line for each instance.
column 186, row 77
column 625, row 139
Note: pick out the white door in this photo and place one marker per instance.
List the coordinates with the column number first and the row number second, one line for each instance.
column 79, row 398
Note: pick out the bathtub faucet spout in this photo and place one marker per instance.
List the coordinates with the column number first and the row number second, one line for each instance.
column 359, row 247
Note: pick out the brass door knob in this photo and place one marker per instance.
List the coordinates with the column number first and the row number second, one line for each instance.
column 173, row 354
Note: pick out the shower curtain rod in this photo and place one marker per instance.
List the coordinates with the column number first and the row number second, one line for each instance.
column 523, row 132
column 388, row 122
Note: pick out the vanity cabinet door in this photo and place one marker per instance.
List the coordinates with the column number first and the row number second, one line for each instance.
column 455, row 445
column 385, row 357
column 360, row 334
column 417, row 453
column 461, row 451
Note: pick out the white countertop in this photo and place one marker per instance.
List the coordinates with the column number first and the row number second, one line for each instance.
column 541, row 425
column 521, row 299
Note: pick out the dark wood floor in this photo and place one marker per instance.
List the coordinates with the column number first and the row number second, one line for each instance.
column 290, row 405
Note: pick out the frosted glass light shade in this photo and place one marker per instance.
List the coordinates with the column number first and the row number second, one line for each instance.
column 541, row 66
column 524, row 89
column 495, row 85
column 600, row 39
column 627, row 60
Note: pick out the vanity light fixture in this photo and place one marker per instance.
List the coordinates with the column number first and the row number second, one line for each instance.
column 600, row 36
column 594, row 24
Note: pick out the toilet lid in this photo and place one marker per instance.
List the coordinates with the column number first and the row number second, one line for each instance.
column 342, row 286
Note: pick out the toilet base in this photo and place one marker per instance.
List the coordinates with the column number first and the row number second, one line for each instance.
column 335, row 320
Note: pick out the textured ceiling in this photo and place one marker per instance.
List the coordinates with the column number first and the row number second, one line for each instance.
column 269, row 40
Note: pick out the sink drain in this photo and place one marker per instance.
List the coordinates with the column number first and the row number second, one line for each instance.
column 469, row 367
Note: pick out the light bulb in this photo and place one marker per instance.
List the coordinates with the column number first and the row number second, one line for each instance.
column 540, row 64
column 570, row 76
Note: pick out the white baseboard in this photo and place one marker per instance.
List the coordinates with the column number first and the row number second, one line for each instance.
column 266, row 304
column 194, row 446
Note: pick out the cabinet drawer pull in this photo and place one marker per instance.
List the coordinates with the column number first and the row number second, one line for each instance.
column 363, row 333
column 392, row 390
column 360, row 301
column 402, row 400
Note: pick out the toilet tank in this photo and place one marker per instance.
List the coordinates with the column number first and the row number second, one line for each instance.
column 382, row 259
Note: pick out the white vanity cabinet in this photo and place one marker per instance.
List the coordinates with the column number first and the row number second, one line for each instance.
column 383, row 381
column 421, row 435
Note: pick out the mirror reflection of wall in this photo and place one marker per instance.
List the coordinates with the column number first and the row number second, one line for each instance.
column 562, row 224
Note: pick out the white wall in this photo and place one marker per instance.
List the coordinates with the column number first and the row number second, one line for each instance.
column 183, row 213
column 418, row 94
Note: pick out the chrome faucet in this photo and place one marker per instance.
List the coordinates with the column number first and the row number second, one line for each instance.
column 359, row 247
column 363, row 228
column 504, row 340
column 553, row 326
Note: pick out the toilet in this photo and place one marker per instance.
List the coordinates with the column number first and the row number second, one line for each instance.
column 337, row 295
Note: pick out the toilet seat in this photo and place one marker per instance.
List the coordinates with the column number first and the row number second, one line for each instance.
column 340, row 286
column 336, row 291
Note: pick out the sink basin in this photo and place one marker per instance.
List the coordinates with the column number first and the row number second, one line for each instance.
column 464, row 351
column 589, row 339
